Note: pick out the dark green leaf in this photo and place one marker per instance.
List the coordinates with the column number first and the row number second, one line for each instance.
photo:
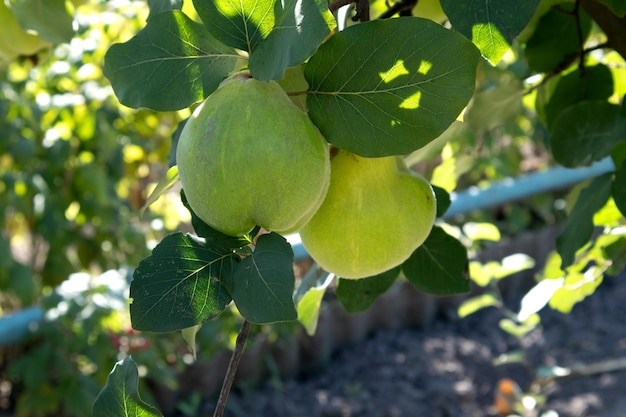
column 619, row 188
column 385, row 87
column 439, row 266
column 443, row 200
column 586, row 132
column 263, row 283
column 214, row 238
column 617, row 6
column 616, row 252
column 240, row 24
column 170, row 64
column 120, row 395
column 49, row 18
column 178, row 286
column 579, row 226
column 300, row 27
column 595, row 83
column 357, row 295
column 491, row 25
column 555, row 40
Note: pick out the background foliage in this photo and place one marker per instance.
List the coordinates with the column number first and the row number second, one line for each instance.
column 89, row 116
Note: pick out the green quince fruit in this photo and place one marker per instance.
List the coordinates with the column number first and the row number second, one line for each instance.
column 375, row 214
column 248, row 156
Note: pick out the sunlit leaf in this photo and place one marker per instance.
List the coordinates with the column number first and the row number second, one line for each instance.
column 120, row 395
column 474, row 304
column 579, row 226
column 520, row 329
column 164, row 184
column 178, row 286
column 308, row 298
column 189, row 334
column 439, row 266
column 385, row 87
column 576, row 287
column 262, row 284
column 538, row 296
column 481, row 231
column 240, row 24
column 170, row 64
column 492, row 24
column 357, row 295
column 301, row 25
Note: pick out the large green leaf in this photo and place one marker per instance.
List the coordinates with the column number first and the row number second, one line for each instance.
column 178, row 286
column 301, row 25
column 594, row 83
column 239, row 24
column 439, row 266
column 555, row 41
column 579, row 226
column 120, row 395
column 170, row 64
column 263, row 283
column 357, row 295
column 389, row 87
column 587, row 132
column 491, row 24
column 51, row 19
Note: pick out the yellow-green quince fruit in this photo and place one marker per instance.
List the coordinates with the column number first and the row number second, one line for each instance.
column 248, row 156
column 375, row 214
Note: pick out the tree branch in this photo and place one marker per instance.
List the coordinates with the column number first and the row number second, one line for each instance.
column 240, row 345
column 613, row 26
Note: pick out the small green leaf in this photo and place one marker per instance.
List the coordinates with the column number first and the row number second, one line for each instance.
column 164, row 184
column 178, row 286
column 619, row 188
column 189, row 334
column 357, row 295
column 240, row 24
column 262, row 284
column 555, row 39
column 495, row 106
column 579, row 226
column 120, row 395
column 308, row 298
column 474, row 304
column 538, row 296
column 586, row 132
column 300, row 27
column 51, row 19
column 170, row 64
column 519, row 330
column 481, row 231
column 384, row 87
column 443, row 200
column 491, row 25
column 576, row 287
column 595, row 83
column 439, row 266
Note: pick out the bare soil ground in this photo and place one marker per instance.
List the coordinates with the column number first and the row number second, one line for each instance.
column 447, row 368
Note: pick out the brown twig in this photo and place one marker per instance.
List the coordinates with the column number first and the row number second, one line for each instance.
column 240, row 345
column 362, row 8
column 400, row 7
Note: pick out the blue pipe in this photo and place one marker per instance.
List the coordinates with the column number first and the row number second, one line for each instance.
column 15, row 327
